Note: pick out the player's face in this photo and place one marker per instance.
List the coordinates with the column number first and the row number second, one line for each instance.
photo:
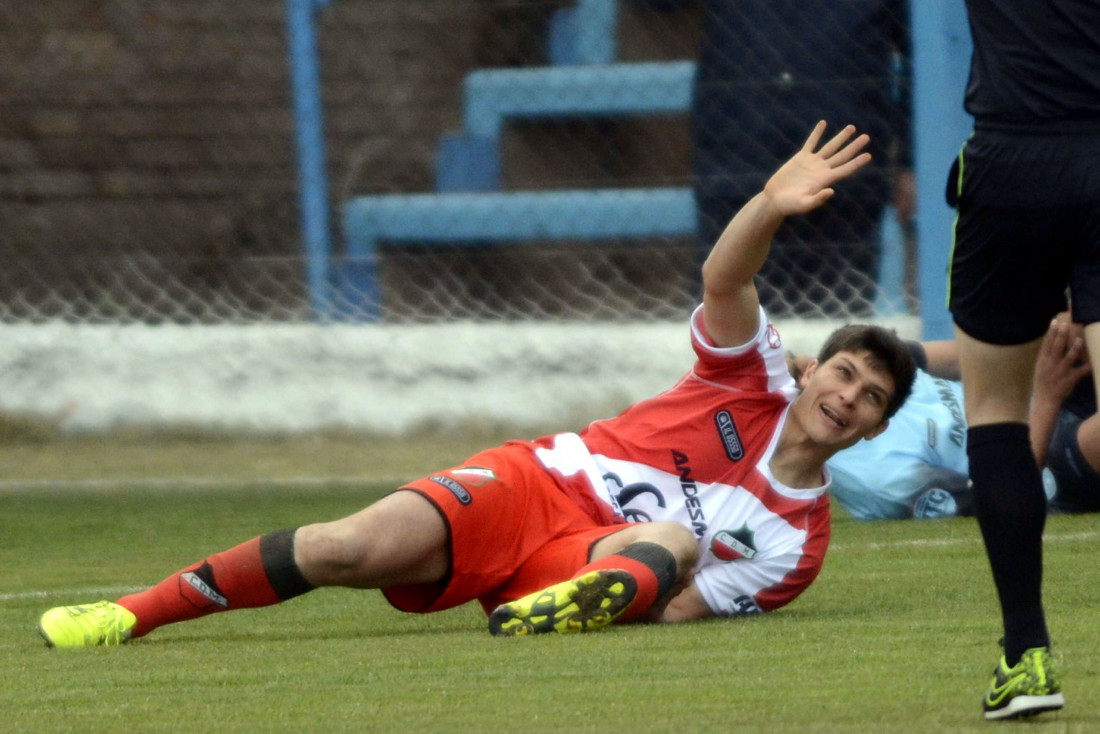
column 844, row 399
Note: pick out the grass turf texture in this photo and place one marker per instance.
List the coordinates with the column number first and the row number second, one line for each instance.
column 897, row 635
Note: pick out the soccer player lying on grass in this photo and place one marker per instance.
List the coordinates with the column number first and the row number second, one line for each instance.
column 726, row 469
column 918, row 467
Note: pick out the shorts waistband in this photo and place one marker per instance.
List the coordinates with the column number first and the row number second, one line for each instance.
column 1040, row 128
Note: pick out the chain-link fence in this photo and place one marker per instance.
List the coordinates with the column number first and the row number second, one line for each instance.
column 492, row 159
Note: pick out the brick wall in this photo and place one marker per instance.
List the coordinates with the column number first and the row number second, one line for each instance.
column 164, row 127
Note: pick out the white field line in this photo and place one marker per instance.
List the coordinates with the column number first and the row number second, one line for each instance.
column 78, row 596
column 184, row 483
column 942, row 542
column 95, row 593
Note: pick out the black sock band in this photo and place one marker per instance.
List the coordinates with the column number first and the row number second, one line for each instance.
column 658, row 559
column 277, row 555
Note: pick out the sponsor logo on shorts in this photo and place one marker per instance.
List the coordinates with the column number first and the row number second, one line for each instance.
column 475, row 476
column 207, row 593
column 730, row 438
column 730, row 545
column 456, row 489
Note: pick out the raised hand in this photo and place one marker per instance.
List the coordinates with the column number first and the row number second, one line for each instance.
column 731, row 304
column 1062, row 361
column 804, row 182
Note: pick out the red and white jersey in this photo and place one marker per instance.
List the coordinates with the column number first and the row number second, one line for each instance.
column 698, row 454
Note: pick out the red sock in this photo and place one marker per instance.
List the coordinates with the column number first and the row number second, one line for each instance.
column 232, row 579
column 643, row 575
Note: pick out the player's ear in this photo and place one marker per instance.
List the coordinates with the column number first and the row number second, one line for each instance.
column 811, row 367
column 877, row 430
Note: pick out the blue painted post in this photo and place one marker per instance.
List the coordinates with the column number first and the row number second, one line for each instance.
column 941, row 63
column 583, row 33
column 596, row 43
column 309, row 126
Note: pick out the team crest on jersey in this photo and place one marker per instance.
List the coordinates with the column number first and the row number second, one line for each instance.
column 730, row 545
column 475, row 476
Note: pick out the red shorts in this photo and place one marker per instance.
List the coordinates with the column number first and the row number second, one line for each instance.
column 513, row 529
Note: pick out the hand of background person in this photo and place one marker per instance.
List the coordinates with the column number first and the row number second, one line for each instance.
column 1062, row 361
column 1061, row 364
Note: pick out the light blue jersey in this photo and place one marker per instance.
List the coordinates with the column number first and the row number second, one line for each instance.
column 913, row 468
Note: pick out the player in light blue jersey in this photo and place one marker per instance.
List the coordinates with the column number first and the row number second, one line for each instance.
column 918, row 467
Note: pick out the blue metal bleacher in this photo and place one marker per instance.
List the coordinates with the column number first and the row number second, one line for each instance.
column 470, row 159
column 583, row 33
column 468, row 205
column 501, row 217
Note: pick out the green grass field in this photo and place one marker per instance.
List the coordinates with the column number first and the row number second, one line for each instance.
column 898, row 634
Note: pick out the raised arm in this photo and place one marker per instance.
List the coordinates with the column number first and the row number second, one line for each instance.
column 802, row 184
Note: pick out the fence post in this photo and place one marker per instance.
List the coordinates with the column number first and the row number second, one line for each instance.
column 941, row 63
column 309, row 129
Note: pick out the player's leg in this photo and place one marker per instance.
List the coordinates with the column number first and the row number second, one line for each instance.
column 1088, row 441
column 1009, row 500
column 630, row 572
column 1010, row 506
column 1011, row 261
column 1074, row 447
column 401, row 538
column 659, row 555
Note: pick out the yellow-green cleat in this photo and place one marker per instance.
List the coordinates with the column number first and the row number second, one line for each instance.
column 87, row 625
column 1029, row 687
column 583, row 604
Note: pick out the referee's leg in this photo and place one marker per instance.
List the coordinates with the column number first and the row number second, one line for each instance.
column 1008, row 490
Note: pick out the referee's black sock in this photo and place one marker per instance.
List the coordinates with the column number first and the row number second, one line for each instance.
column 1011, row 510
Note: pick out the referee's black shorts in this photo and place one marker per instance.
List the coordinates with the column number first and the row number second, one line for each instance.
column 1028, row 226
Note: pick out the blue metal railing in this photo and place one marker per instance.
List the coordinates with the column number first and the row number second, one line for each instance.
column 941, row 51
column 310, row 137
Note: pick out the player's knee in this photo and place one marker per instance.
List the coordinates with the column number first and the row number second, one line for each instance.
column 401, row 539
column 679, row 541
column 329, row 554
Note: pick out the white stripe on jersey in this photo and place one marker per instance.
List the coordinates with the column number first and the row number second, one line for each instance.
column 570, row 456
column 775, row 360
column 745, row 545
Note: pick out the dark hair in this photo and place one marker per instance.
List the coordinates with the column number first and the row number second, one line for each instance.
column 888, row 353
